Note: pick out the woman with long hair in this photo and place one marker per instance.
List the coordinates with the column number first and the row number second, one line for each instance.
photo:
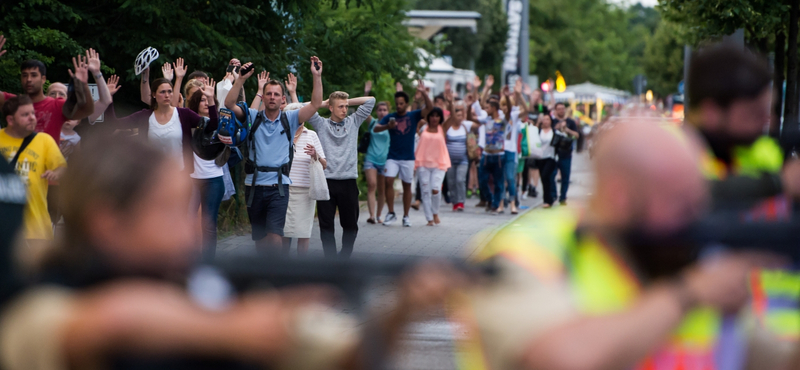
column 208, row 185
column 547, row 164
column 432, row 160
column 374, row 161
column 166, row 126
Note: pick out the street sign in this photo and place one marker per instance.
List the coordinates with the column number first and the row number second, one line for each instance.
column 96, row 96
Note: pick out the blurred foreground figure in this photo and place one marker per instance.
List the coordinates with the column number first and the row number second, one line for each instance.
column 107, row 297
column 612, row 288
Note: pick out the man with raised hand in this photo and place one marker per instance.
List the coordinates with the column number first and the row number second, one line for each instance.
column 52, row 113
column 402, row 126
column 269, row 161
column 339, row 138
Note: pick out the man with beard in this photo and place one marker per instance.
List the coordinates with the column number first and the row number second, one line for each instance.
column 595, row 292
column 729, row 103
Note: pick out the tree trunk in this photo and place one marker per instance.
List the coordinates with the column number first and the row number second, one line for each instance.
column 790, row 128
column 779, row 67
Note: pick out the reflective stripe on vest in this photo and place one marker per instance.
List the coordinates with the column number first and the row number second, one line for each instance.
column 764, row 155
column 545, row 244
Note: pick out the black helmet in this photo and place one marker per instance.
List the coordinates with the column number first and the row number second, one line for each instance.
column 206, row 144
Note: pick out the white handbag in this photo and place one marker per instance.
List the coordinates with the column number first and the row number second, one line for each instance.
column 535, row 150
column 319, row 186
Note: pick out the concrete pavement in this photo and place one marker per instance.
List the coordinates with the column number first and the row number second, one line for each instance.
column 428, row 345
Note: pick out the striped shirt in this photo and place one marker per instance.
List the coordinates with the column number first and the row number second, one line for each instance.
column 301, row 169
column 457, row 143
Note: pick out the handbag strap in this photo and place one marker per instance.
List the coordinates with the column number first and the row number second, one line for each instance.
column 27, row 140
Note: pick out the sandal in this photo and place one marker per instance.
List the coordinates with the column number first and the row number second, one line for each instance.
column 371, row 221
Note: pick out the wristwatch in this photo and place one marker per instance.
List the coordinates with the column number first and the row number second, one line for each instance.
column 98, row 76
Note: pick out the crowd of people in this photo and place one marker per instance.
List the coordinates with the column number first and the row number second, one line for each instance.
column 444, row 144
column 616, row 285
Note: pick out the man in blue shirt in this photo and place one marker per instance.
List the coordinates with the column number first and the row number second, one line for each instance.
column 402, row 126
column 267, row 211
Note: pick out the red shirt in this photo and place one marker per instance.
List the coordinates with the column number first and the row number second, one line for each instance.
column 49, row 117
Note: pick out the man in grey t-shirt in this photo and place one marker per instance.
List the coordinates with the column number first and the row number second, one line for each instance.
column 339, row 138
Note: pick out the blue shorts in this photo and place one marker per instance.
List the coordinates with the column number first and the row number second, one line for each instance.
column 268, row 211
column 372, row 166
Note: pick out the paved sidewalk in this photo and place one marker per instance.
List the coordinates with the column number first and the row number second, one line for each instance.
column 457, row 236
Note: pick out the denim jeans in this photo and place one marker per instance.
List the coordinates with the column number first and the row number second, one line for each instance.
column 510, row 172
column 457, row 182
column 492, row 165
column 208, row 196
column 565, row 166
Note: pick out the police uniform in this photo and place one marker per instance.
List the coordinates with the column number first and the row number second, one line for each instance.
column 552, row 274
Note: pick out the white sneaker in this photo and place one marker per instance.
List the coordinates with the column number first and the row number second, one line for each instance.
column 524, row 195
column 390, row 219
column 406, row 221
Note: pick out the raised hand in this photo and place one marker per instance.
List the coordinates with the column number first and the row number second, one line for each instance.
column 235, row 62
column 93, row 61
column 477, row 82
column 448, row 92
column 367, row 87
column 315, row 62
column 448, row 86
column 469, row 87
column 469, row 100
column 505, row 91
column 421, row 87
column 249, row 73
column 166, row 71
column 208, row 91
column 113, row 84
column 263, row 78
column 81, row 69
column 490, row 81
column 518, row 86
column 398, row 87
column 180, row 68
column 291, row 83
column 527, row 90
column 2, row 44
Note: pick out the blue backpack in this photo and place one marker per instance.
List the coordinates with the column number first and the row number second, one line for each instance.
column 229, row 125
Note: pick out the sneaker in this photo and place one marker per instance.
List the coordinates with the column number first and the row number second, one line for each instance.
column 535, row 193
column 524, row 196
column 469, row 194
column 460, row 207
column 415, row 205
column 390, row 219
column 563, row 202
column 406, row 221
column 455, row 207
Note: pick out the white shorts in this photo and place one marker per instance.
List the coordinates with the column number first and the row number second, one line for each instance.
column 299, row 213
column 404, row 168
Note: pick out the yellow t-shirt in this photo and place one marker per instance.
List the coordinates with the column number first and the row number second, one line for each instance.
column 42, row 154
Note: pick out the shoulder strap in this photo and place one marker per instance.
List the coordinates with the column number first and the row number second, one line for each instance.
column 287, row 129
column 27, row 140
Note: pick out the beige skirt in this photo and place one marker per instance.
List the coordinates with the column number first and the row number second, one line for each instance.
column 299, row 214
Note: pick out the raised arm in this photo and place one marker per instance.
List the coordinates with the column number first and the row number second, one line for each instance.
column 230, row 100
column 308, row 111
column 291, row 88
column 180, row 72
column 84, row 105
column 144, row 86
column 102, row 89
column 519, row 99
column 367, row 103
column 507, row 94
column 448, row 98
column 425, row 97
column 487, row 89
column 263, row 78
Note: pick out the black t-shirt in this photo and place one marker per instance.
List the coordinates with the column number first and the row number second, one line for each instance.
column 568, row 153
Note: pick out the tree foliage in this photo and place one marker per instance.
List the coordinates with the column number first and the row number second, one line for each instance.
column 702, row 20
column 486, row 47
column 663, row 59
column 588, row 40
column 279, row 36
